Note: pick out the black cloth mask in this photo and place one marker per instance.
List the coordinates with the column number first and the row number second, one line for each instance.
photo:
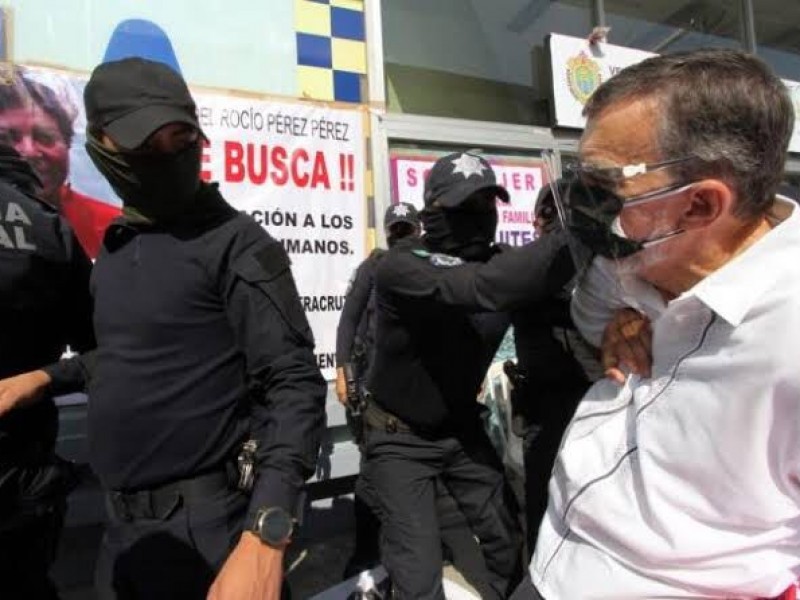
column 466, row 234
column 160, row 187
column 590, row 217
column 400, row 231
column 592, row 214
column 18, row 172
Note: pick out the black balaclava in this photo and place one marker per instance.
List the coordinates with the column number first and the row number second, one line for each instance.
column 400, row 231
column 129, row 100
column 18, row 172
column 159, row 187
column 466, row 234
column 460, row 215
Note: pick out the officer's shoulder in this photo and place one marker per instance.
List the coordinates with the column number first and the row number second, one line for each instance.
column 416, row 258
column 10, row 193
column 241, row 241
column 237, row 234
column 377, row 254
column 422, row 258
column 403, row 251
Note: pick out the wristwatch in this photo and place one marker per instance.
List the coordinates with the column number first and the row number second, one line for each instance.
column 274, row 526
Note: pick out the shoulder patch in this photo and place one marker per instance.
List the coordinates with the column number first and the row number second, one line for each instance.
column 421, row 253
column 272, row 259
column 445, row 260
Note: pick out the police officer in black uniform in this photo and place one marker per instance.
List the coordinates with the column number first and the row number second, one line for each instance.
column 355, row 341
column 46, row 306
column 355, row 334
column 555, row 365
column 355, row 338
column 204, row 355
column 423, row 421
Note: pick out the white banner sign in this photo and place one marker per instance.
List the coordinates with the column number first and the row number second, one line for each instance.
column 579, row 68
column 298, row 169
column 523, row 182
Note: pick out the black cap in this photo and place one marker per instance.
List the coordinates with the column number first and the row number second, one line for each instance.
column 402, row 212
column 132, row 98
column 455, row 177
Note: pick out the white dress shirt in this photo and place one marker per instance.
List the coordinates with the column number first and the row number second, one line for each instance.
column 687, row 484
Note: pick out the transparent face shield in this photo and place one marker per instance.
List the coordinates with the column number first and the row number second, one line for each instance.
column 590, row 210
column 581, row 254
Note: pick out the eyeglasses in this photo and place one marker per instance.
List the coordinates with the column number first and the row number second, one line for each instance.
column 589, row 188
column 615, row 175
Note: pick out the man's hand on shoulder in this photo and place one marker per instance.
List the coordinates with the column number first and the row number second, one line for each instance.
column 253, row 571
column 22, row 389
column 627, row 343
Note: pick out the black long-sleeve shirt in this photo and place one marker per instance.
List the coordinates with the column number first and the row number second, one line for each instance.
column 356, row 322
column 509, row 280
column 429, row 359
column 530, row 282
column 202, row 343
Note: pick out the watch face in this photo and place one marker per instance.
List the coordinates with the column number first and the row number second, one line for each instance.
column 276, row 526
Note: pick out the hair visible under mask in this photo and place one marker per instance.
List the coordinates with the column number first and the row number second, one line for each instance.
column 159, row 187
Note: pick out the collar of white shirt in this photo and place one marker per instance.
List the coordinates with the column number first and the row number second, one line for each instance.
column 761, row 265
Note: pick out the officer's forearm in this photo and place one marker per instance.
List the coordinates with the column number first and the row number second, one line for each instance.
column 288, row 424
column 509, row 280
column 23, row 389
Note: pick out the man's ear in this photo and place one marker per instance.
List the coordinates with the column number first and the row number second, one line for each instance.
column 709, row 199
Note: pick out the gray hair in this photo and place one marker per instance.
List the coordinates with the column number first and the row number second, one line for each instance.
column 18, row 89
column 725, row 108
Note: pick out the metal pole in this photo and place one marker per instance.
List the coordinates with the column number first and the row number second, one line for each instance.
column 379, row 144
column 748, row 25
column 598, row 13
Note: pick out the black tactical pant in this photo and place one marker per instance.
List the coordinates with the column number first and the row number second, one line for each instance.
column 403, row 468
column 34, row 484
column 27, row 551
column 458, row 543
column 540, row 449
column 169, row 546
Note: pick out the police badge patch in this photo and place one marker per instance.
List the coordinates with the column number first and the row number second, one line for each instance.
column 445, row 260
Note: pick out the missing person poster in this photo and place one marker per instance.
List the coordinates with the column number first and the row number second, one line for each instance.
column 297, row 168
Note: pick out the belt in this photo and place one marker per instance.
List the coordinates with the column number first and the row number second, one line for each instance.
column 377, row 418
column 161, row 502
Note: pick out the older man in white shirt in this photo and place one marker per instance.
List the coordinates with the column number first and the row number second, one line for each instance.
column 684, row 484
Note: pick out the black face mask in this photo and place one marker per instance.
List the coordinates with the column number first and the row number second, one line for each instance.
column 466, row 234
column 161, row 187
column 400, row 231
column 592, row 214
column 18, row 172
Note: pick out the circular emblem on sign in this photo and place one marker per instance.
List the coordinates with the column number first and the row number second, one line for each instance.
column 583, row 76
